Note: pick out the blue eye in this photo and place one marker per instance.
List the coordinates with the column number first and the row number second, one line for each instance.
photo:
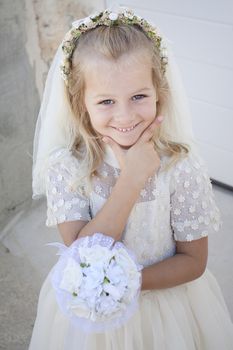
column 138, row 97
column 106, row 102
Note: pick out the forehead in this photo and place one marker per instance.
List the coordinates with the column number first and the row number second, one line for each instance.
column 129, row 72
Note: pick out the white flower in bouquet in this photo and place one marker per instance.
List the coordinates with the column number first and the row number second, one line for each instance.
column 115, row 273
column 80, row 308
column 107, row 307
column 94, row 276
column 72, row 277
column 94, row 254
column 97, row 282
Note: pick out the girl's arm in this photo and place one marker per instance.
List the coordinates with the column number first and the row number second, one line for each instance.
column 187, row 264
column 112, row 217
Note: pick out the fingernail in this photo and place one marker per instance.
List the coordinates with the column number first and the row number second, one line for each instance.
column 160, row 118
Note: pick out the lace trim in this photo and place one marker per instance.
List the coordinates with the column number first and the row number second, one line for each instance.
column 103, row 185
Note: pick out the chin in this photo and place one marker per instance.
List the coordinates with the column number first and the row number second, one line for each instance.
column 125, row 146
column 129, row 144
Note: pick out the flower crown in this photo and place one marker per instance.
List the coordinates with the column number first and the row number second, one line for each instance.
column 107, row 18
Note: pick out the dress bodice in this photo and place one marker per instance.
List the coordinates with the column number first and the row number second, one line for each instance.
column 174, row 205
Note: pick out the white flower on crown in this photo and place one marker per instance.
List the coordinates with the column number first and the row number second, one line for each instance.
column 88, row 22
column 113, row 16
column 129, row 14
column 93, row 15
column 77, row 23
column 115, row 8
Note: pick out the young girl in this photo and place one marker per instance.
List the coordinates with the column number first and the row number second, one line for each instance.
column 109, row 162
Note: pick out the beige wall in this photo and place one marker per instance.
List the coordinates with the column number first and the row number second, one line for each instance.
column 30, row 32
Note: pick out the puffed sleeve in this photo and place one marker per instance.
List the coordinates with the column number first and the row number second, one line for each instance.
column 194, row 213
column 63, row 202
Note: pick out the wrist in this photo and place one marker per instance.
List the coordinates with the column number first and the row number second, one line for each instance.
column 132, row 181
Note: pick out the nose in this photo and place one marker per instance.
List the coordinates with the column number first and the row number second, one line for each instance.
column 124, row 116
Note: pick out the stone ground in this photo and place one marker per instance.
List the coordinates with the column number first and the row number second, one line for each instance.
column 25, row 261
column 19, row 291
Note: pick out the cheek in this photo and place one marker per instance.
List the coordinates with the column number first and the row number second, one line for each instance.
column 98, row 118
column 148, row 111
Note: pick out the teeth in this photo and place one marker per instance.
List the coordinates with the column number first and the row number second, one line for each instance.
column 126, row 129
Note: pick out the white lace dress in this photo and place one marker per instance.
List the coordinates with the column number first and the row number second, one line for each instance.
column 177, row 205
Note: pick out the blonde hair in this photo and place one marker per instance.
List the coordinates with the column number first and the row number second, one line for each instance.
column 112, row 42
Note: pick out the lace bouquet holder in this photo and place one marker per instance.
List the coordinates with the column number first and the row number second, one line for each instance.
column 97, row 282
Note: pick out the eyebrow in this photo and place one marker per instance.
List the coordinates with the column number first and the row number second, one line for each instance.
column 107, row 95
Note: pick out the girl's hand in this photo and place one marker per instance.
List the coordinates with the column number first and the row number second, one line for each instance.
column 141, row 160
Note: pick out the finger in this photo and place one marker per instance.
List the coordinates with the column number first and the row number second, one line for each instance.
column 149, row 131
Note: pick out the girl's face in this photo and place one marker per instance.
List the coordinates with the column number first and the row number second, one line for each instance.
column 120, row 97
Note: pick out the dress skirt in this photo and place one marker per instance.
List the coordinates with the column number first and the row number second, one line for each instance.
column 192, row 316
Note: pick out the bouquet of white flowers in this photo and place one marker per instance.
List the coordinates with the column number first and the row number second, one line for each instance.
column 97, row 282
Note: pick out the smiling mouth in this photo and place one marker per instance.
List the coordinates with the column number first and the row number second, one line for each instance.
column 126, row 129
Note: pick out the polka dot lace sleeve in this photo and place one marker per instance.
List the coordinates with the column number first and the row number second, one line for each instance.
column 63, row 203
column 194, row 213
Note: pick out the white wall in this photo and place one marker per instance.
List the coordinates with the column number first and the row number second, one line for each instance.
column 202, row 37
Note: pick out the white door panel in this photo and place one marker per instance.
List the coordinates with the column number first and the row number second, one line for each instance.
column 218, row 124
column 219, row 166
column 207, row 82
column 217, row 11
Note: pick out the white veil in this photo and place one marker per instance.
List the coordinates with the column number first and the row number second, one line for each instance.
column 55, row 128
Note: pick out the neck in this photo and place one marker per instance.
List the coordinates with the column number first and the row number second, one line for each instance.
column 110, row 157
